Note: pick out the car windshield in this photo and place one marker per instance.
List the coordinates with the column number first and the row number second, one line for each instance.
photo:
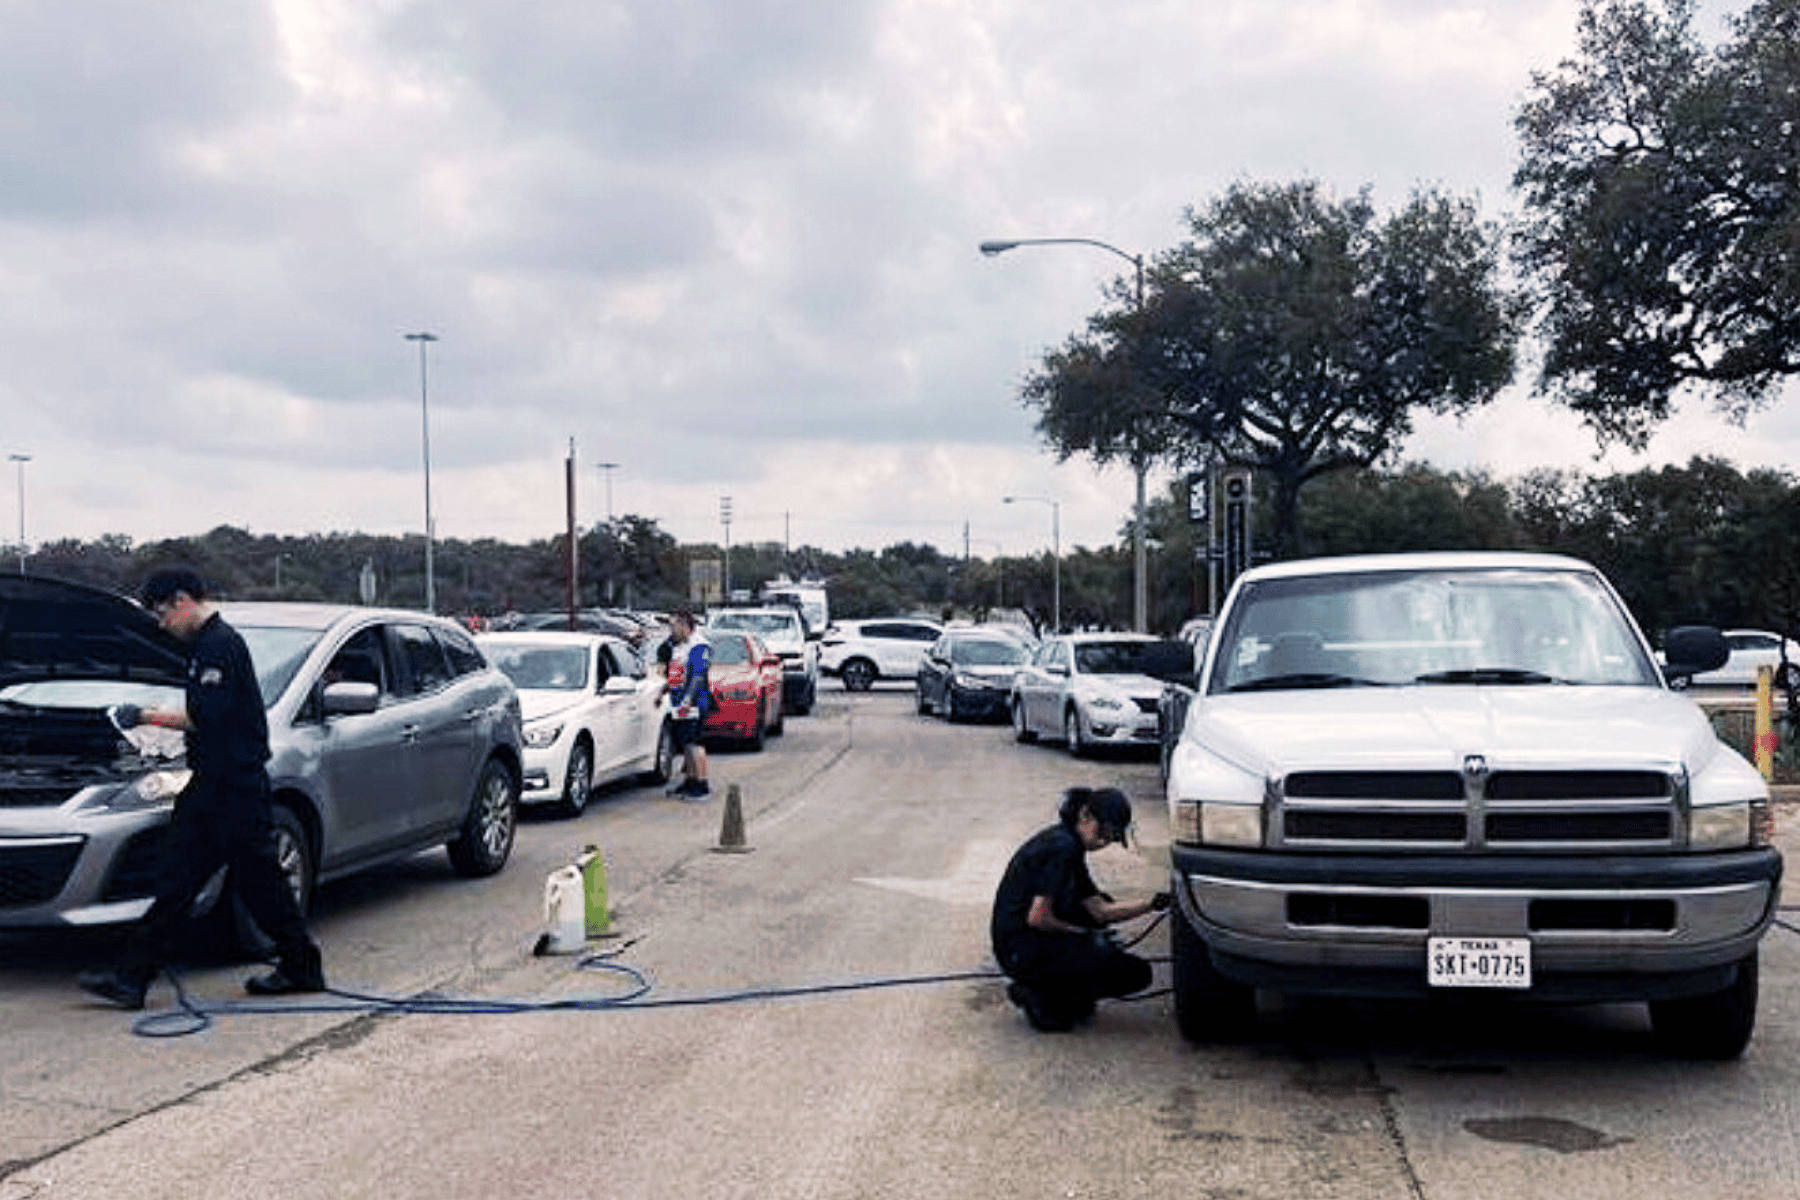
column 728, row 651
column 1514, row 626
column 541, row 668
column 986, row 652
column 761, row 624
column 277, row 652
column 1116, row 658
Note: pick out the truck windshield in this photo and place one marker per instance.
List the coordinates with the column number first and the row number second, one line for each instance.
column 1494, row 626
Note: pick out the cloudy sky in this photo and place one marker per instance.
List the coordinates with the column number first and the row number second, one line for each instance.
column 727, row 245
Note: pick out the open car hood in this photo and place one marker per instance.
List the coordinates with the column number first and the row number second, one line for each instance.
column 50, row 629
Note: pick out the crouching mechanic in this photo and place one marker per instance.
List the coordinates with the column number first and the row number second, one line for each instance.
column 224, row 815
column 1049, row 922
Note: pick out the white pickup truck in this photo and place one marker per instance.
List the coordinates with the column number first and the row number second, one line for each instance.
column 1407, row 775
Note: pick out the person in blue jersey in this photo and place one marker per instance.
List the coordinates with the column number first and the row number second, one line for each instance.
column 690, row 697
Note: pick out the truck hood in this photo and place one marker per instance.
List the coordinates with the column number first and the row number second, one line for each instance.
column 51, row 629
column 1436, row 727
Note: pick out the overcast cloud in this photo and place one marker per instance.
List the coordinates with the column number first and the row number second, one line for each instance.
column 729, row 245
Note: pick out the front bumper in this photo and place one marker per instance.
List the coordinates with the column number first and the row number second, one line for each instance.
column 987, row 703
column 1601, row 928
column 1120, row 726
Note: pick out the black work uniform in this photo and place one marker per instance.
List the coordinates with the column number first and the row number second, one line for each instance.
column 223, row 818
column 1069, row 970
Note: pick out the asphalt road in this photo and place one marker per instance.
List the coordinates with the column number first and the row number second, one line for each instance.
column 876, row 837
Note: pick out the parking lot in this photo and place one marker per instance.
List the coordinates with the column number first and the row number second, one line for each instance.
column 875, row 837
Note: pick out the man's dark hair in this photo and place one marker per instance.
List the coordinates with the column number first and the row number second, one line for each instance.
column 163, row 584
column 1107, row 805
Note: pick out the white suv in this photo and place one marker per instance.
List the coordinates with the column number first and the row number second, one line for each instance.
column 860, row 652
column 782, row 631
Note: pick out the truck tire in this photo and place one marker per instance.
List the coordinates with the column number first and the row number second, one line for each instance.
column 1715, row 1026
column 1209, row 1008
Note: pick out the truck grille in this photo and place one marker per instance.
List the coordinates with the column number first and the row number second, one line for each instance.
column 1444, row 811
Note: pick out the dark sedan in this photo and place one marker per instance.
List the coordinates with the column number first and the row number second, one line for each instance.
column 968, row 673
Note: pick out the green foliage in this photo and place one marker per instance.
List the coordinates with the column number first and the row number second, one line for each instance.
column 1292, row 333
column 1663, row 212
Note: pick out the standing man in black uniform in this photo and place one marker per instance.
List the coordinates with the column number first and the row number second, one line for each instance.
column 1049, row 922
column 223, row 816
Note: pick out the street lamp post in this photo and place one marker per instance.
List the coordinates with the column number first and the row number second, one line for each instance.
column 1055, row 554
column 21, row 460
column 424, row 339
column 1140, row 615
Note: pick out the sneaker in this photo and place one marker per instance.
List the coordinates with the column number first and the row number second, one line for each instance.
column 280, row 983
column 678, row 787
column 698, row 789
column 113, row 988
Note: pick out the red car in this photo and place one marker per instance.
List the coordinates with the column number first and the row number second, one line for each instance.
column 746, row 689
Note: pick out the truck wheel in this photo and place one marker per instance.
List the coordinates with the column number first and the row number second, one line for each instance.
column 1208, row 1006
column 1714, row 1026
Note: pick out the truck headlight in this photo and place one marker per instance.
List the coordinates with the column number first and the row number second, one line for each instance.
column 1214, row 823
column 539, row 736
column 1730, row 826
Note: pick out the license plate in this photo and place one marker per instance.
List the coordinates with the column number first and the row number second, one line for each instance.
column 1478, row 962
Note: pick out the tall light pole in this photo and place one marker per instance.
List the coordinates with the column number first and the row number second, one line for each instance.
column 425, row 339
column 21, row 460
column 1140, row 615
column 1055, row 554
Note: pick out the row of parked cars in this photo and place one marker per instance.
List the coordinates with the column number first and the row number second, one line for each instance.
column 391, row 732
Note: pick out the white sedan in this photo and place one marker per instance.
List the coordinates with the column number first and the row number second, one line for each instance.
column 593, row 712
column 1094, row 689
column 1750, row 649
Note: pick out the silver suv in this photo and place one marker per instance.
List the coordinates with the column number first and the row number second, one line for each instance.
column 390, row 734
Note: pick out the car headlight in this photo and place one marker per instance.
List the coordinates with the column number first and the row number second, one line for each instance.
column 1214, row 823
column 1730, row 826
column 149, row 790
column 969, row 682
column 539, row 736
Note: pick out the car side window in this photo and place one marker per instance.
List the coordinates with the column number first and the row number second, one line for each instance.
column 424, row 658
column 460, row 649
column 923, row 633
column 361, row 659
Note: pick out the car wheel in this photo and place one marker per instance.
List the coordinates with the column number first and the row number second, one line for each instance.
column 859, row 675
column 227, row 921
column 485, row 841
column 947, row 707
column 1021, row 731
column 1790, row 678
column 779, row 726
column 663, row 764
column 1208, row 1007
column 1072, row 732
column 759, row 735
column 1715, row 1026
column 924, row 704
column 578, row 780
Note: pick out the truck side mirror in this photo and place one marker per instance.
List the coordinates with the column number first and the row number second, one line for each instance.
column 1691, row 649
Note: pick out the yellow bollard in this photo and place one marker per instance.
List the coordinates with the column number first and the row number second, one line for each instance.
column 1765, row 740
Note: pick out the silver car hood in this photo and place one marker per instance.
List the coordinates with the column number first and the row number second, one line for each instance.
column 1436, row 727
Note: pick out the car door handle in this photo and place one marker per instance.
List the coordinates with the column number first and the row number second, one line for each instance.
column 409, row 733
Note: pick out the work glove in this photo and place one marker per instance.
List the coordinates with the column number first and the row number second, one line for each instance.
column 1161, row 901
column 125, row 716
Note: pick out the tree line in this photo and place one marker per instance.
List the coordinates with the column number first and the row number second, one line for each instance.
column 1701, row 543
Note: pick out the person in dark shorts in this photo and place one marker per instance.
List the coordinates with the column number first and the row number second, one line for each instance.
column 224, row 815
column 1049, row 925
column 690, row 696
